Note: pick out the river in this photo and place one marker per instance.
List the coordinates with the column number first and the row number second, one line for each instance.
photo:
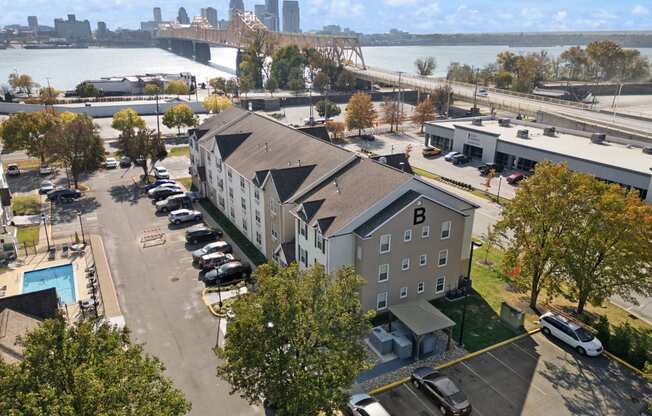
column 66, row 68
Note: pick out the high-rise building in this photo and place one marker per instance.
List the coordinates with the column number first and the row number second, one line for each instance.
column 272, row 8
column 259, row 11
column 235, row 5
column 102, row 31
column 32, row 22
column 73, row 29
column 291, row 16
column 157, row 15
column 182, row 16
column 210, row 14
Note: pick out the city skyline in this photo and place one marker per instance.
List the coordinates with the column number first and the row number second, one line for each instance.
column 367, row 16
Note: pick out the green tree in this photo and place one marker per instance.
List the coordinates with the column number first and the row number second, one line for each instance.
column 86, row 369
column 533, row 223
column 22, row 83
column 327, row 108
column 231, row 87
column 606, row 58
column 286, row 61
column 635, row 67
column 442, row 98
column 177, row 87
column 27, row 131
column 48, row 95
column 216, row 103
column 345, row 81
column 360, row 112
column 254, row 56
column 503, row 79
column 423, row 112
column 648, row 375
column 151, row 89
column 321, row 82
column 218, row 84
column 461, row 73
column 181, row 115
column 296, row 85
column 146, row 145
column 296, row 341
column 244, row 85
column 575, row 61
column 78, row 145
column 127, row 119
column 271, row 85
column 425, row 66
column 506, row 61
column 86, row 89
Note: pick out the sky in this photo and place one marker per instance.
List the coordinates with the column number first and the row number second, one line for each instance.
column 370, row 16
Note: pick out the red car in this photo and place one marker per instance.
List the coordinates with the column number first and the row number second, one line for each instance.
column 515, row 178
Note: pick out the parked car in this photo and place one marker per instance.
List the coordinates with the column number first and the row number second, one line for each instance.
column 158, row 183
column 163, row 193
column 218, row 246
column 430, row 151
column 365, row 405
column 125, row 162
column 515, row 178
column 161, row 173
column 583, row 341
column 13, row 170
column 200, row 233
column 173, row 202
column 58, row 194
column 449, row 156
column 460, row 159
column 228, row 273
column 46, row 187
column 140, row 161
column 442, row 390
column 184, row 215
column 483, row 93
column 487, row 167
column 213, row 260
column 45, row 169
column 110, row 163
column 166, row 186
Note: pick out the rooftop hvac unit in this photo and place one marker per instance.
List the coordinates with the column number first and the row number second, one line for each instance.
column 550, row 132
column 477, row 122
column 598, row 138
column 647, row 150
column 504, row 122
column 523, row 134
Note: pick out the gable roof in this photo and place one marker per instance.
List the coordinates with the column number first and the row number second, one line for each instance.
column 398, row 161
column 228, row 143
column 12, row 325
column 309, row 208
column 392, row 209
column 319, row 132
column 42, row 304
column 288, row 180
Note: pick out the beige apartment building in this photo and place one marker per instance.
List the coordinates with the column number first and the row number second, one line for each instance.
column 299, row 198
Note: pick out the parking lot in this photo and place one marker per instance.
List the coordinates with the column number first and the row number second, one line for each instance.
column 534, row 376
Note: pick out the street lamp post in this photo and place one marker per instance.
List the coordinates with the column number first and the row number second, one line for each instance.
column 47, row 237
column 467, row 289
column 81, row 225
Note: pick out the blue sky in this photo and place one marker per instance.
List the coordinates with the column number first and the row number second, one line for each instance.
column 372, row 16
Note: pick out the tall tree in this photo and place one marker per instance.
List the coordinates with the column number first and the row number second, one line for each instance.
column 609, row 250
column 296, row 341
column 425, row 66
column 271, row 85
column 392, row 114
column 218, row 85
column 533, row 224
column 461, row 73
column 22, row 83
column 607, row 58
column 151, row 89
column 576, row 61
column 424, row 111
column 286, row 62
column 146, row 145
column 86, row 89
column 48, row 95
column 345, row 81
column 216, row 103
column 181, row 115
column 27, row 131
column 244, row 85
column 254, row 57
column 78, row 145
column 127, row 122
column 360, row 112
column 86, row 369
column 177, row 87
column 442, row 98
column 327, row 108
column 321, row 82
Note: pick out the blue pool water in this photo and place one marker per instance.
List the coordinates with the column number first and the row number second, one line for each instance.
column 61, row 278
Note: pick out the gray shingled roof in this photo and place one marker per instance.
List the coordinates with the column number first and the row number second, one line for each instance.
column 288, row 181
column 228, row 143
column 398, row 161
column 403, row 201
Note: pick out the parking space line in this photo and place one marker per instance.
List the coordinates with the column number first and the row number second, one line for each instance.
column 517, row 374
column 423, row 403
column 485, row 381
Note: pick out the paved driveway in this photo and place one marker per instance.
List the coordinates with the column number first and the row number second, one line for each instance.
column 535, row 376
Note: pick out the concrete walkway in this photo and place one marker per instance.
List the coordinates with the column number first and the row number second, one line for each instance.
column 112, row 309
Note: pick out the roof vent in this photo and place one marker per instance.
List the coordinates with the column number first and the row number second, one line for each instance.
column 647, row 150
column 523, row 134
column 477, row 122
column 550, row 132
column 382, row 160
column 598, row 138
column 504, row 122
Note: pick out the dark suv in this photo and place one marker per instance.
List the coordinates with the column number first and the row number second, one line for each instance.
column 59, row 194
column 228, row 273
column 200, row 233
column 486, row 168
column 461, row 159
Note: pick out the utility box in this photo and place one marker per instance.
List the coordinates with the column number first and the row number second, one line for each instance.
column 511, row 316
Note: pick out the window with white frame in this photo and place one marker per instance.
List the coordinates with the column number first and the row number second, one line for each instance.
column 319, row 240
column 425, row 231
column 220, row 200
column 243, row 203
column 443, row 258
column 385, row 243
column 242, row 182
column 420, row 287
column 445, row 230
column 257, row 216
column 303, row 229
column 423, row 260
column 230, row 192
column 381, row 301
column 359, row 252
column 407, row 235
column 220, row 184
column 383, row 272
column 218, row 163
column 244, row 224
column 257, row 194
column 274, row 230
column 440, row 284
column 303, row 256
column 404, row 292
column 259, row 238
column 229, row 173
column 405, row 264
column 232, row 212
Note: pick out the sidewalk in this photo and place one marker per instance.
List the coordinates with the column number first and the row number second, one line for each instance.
column 112, row 310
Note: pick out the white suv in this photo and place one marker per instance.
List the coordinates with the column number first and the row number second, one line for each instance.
column 184, row 215
column 161, row 173
column 572, row 334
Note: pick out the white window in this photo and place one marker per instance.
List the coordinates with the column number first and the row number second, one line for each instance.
column 244, row 224
column 420, row 287
column 385, row 243
column 221, row 201
column 383, row 272
column 257, row 194
column 274, row 231
column 303, row 229
column 404, row 292
column 243, row 202
column 405, row 264
column 220, row 184
column 440, row 284
column 443, row 258
column 218, row 163
column 229, row 173
column 272, row 207
column 303, row 256
column 232, row 213
column 319, row 240
column 425, row 231
column 259, row 238
column 230, row 192
column 381, row 301
column 242, row 182
column 257, row 215
column 423, row 260
column 407, row 235
column 445, row 230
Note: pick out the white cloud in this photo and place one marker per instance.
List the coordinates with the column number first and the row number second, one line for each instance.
column 561, row 15
column 400, row 2
column 639, row 10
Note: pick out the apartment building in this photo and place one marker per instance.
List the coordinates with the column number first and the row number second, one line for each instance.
column 299, row 198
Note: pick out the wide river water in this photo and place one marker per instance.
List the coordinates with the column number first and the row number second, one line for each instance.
column 66, row 68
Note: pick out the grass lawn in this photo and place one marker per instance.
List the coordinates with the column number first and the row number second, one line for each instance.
column 26, row 205
column 179, row 151
column 29, row 235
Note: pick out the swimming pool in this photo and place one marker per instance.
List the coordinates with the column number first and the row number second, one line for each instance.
column 61, row 278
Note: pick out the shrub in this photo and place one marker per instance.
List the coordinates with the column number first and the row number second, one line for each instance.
column 640, row 349
column 603, row 331
column 621, row 341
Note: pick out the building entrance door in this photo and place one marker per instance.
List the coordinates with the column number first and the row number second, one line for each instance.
column 474, row 152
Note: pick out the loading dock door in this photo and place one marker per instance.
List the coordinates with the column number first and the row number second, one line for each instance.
column 474, row 152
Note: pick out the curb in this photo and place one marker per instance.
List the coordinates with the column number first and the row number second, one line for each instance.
column 397, row 383
column 623, row 362
column 208, row 305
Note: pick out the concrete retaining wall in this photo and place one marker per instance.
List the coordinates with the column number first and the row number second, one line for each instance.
column 100, row 111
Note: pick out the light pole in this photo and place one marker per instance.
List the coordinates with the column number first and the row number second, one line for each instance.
column 158, row 126
column 467, row 289
column 81, row 225
column 47, row 238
